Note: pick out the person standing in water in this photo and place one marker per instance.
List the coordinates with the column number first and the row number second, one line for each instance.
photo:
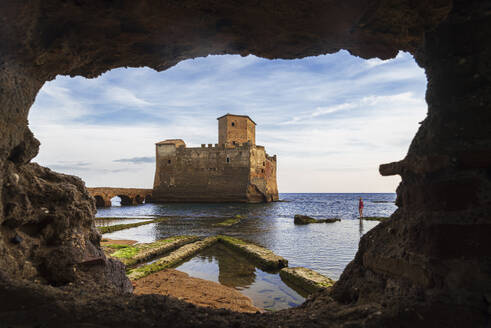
column 360, row 207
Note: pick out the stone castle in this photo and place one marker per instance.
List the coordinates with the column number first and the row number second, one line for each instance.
column 234, row 170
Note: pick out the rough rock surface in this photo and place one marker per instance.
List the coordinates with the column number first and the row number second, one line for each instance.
column 266, row 258
column 305, row 278
column 194, row 290
column 148, row 251
column 430, row 263
column 171, row 259
column 129, row 196
column 304, row 219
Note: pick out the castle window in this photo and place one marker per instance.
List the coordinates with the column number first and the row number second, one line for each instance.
column 262, row 170
column 233, row 123
column 228, row 159
column 264, row 163
column 169, row 161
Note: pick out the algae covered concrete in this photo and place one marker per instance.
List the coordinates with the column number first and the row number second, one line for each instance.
column 266, row 258
column 307, row 279
column 172, row 259
column 303, row 219
column 133, row 255
column 117, row 227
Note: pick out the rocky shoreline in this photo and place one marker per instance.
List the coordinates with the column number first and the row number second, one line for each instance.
column 149, row 276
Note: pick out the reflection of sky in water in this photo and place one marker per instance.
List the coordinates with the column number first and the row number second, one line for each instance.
column 222, row 265
column 143, row 234
column 326, row 248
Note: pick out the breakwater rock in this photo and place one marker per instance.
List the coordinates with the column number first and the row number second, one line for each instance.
column 307, row 279
column 265, row 258
column 303, row 219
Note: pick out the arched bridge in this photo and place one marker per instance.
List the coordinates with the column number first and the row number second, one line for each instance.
column 129, row 196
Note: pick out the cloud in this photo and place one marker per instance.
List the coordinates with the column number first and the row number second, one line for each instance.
column 69, row 166
column 136, row 160
column 125, row 97
column 330, row 119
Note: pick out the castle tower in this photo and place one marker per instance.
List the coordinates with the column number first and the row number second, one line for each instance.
column 235, row 170
column 236, row 129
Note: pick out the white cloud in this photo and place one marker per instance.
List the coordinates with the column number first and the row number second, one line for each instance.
column 124, row 96
column 330, row 119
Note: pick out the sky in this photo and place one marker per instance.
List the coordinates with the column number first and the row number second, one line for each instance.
column 331, row 120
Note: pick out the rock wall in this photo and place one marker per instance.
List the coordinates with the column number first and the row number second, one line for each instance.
column 428, row 265
column 262, row 176
column 434, row 254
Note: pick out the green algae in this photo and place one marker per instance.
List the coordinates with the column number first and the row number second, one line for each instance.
column 117, row 227
column 171, row 260
column 229, row 222
column 124, row 218
column 138, row 253
column 115, row 246
column 126, row 252
column 265, row 258
column 231, row 240
column 375, row 218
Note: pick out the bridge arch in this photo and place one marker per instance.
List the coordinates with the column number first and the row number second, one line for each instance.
column 100, row 201
column 128, row 196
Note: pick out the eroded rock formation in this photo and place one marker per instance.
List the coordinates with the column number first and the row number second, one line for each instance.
column 429, row 264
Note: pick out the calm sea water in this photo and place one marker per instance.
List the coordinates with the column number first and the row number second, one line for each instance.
column 326, row 248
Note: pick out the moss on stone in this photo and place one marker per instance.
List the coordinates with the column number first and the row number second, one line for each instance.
column 115, row 246
column 172, row 259
column 126, row 252
column 227, row 223
column 231, row 240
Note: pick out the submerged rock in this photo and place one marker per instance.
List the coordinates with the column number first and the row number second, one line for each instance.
column 303, row 219
column 307, row 279
column 266, row 258
column 229, row 222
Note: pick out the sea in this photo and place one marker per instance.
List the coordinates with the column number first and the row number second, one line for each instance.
column 326, row 248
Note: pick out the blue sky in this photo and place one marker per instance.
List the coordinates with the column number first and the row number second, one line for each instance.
column 330, row 119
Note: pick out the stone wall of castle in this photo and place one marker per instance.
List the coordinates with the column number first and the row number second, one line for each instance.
column 214, row 173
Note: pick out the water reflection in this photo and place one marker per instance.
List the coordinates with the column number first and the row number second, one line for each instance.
column 326, row 248
column 221, row 264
